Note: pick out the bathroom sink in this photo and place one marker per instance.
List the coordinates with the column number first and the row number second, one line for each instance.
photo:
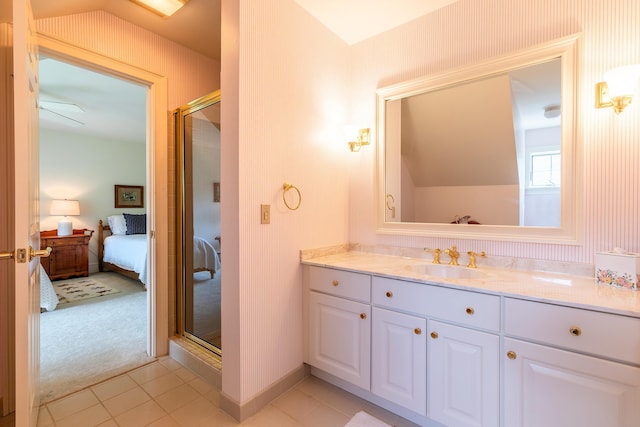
column 447, row 271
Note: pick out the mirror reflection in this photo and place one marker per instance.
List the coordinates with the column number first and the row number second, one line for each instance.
column 483, row 151
column 198, row 128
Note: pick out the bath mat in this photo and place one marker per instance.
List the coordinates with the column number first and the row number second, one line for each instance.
column 362, row 419
column 80, row 289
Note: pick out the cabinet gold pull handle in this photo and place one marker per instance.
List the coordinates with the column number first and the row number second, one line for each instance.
column 434, row 335
column 363, row 316
column 575, row 331
column 512, row 355
column 470, row 311
column 389, row 294
column 417, row 331
column 335, row 283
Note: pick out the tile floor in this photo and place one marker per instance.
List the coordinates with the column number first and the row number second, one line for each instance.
column 165, row 394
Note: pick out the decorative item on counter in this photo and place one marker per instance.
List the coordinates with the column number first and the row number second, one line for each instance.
column 618, row 268
column 463, row 220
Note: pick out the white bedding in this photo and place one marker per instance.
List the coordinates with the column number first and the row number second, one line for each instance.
column 48, row 297
column 204, row 255
column 130, row 252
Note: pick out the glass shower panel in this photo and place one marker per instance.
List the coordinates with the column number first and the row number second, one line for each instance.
column 199, row 220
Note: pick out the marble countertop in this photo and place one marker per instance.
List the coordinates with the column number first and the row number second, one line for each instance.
column 557, row 288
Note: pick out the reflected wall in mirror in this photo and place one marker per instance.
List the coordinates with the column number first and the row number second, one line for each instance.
column 198, row 253
column 483, row 152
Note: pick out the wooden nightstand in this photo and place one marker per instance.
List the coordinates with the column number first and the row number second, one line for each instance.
column 69, row 254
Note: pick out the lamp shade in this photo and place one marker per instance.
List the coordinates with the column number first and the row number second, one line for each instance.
column 623, row 81
column 64, row 207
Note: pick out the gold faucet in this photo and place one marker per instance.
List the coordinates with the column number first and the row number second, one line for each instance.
column 454, row 254
column 472, row 258
column 436, row 254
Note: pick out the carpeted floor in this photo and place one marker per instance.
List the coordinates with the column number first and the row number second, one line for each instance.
column 88, row 341
column 207, row 316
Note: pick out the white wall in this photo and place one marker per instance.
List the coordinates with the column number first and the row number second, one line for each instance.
column 86, row 169
column 468, row 31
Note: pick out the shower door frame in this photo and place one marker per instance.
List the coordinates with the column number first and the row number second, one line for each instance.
column 181, row 180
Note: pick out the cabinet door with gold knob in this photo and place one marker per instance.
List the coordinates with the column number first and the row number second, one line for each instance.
column 399, row 358
column 333, row 322
column 546, row 386
column 466, row 363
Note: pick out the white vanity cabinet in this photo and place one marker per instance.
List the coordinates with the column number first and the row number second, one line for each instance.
column 339, row 325
column 548, row 382
column 464, row 372
column 462, row 362
column 399, row 359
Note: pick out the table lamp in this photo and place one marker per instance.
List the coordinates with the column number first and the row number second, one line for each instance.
column 64, row 208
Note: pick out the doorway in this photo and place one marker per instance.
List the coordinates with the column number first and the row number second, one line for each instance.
column 90, row 140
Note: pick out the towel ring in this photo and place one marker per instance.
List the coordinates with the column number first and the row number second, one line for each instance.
column 391, row 205
column 286, row 187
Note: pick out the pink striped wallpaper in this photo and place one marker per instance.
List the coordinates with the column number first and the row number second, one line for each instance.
column 291, row 85
column 292, row 100
column 473, row 30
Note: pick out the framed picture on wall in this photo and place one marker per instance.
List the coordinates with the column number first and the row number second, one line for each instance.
column 216, row 192
column 129, row 196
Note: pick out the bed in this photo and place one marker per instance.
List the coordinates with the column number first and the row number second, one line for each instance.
column 127, row 253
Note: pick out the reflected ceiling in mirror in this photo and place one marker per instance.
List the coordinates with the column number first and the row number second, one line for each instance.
column 486, row 151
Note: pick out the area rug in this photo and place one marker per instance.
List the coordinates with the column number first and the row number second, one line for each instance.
column 80, row 289
column 362, row 419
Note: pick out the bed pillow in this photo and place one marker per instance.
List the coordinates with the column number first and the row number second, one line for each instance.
column 117, row 224
column 136, row 224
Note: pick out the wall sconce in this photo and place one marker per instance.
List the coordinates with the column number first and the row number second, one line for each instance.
column 63, row 208
column 618, row 88
column 361, row 139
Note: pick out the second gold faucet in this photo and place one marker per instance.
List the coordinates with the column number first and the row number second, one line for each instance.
column 453, row 254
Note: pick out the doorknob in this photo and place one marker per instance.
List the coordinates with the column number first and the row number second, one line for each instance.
column 40, row 252
column 22, row 254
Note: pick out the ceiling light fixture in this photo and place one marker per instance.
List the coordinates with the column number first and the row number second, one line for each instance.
column 164, row 8
column 552, row 111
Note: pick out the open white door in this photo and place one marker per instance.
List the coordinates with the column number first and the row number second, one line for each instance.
column 26, row 215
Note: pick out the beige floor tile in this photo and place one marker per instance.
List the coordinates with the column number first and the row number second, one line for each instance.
column 185, row 374
column 149, row 372
column 200, row 385
column 141, row 415
column 170, row 363
column 113, row 387
column 197, row 413
column 125, row 401
column 109, row 423
column 165, row 421
column 162, row 384
column 177, row 397
column 213, row 396
column 71, row 404
column 89, row 417
column 44, row 418
column 325, row 416
column 270, row 416
column 296, row 404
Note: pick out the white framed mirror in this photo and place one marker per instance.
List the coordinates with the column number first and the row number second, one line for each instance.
column 488, row 151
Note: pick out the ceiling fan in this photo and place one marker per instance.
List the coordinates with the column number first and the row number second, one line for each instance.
column 58, row 111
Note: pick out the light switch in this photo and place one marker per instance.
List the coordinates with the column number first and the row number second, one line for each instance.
column 265, row 214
